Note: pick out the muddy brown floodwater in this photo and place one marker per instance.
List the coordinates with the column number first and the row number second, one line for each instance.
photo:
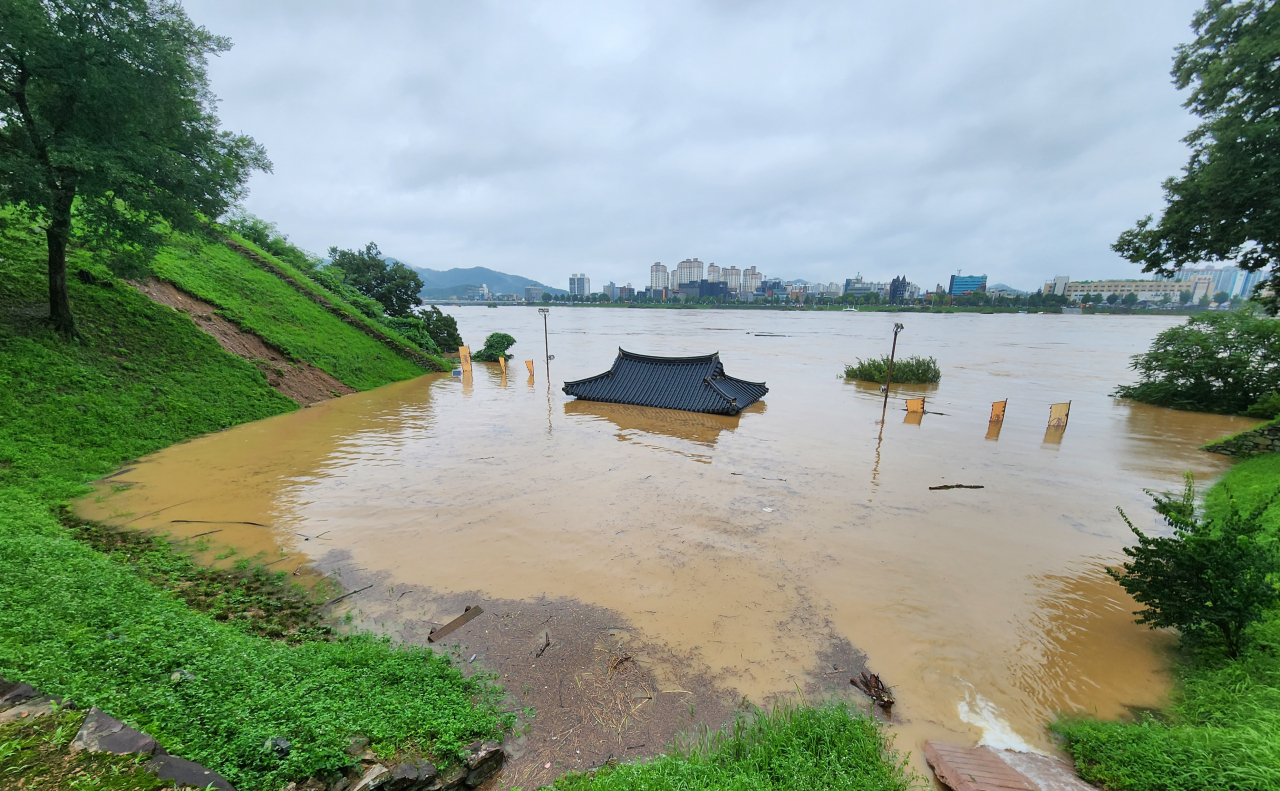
column 752, row 556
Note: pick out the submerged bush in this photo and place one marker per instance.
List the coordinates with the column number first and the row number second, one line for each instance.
column 908, row 370
column 495, row 346
column 1222, row 362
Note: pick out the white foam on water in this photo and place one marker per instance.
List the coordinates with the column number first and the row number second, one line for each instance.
column 996, row 733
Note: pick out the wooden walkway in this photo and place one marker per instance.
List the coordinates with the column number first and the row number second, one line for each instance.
column 984, row 769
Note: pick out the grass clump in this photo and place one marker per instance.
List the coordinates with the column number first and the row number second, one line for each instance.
column 1223, row 727
column 35, row 756
column 830, row 746
column 908, row 370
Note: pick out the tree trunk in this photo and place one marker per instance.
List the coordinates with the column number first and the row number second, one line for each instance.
column 57, row 235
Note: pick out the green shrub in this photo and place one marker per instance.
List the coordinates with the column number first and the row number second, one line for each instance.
column 332, row 279
column 1211, row 578
column 791, row 747
column 1223, row 362
column 1267, row 408
column 495, row 346
column 908, row 370
column 442, row 327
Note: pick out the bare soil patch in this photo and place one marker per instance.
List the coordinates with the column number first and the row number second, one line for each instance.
column 301, row 381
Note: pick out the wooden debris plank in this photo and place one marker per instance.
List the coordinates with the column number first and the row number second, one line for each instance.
column 973, row 769
column 461, row 620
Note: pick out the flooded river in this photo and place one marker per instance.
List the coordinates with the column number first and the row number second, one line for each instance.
column 755, row 546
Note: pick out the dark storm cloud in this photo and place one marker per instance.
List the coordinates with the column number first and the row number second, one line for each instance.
column 1011, row 138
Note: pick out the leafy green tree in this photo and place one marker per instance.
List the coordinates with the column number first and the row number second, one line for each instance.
column 1217, row 362
column 1224, row 206
column 1210, row 578
column 395, row 286
column 1113, row 299
column 1130, row 299
column 106, row 114
column 495, row 346
column 443, row 328
column 1221, row 297
column 1184, row 297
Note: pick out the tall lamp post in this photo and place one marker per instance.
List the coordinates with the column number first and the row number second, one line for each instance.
column 888, row 379
column 546, row 343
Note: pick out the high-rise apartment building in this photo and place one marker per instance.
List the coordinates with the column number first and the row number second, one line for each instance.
column 579, row 285
column 732, row 277
column 713, row 273
column 967, row 284
column 751, row 280
column 688, row 271
column 532, row 293
column 658, row 278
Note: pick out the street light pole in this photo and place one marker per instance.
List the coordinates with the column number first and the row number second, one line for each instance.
column 888, row 379
column 546, row 343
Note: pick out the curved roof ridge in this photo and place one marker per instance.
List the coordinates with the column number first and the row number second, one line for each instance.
column 701, row 358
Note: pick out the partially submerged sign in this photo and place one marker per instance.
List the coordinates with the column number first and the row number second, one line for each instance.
column 464, row 353
column 690, row 384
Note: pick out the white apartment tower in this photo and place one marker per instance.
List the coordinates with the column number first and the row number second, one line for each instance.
column 713, row 273
column 688, row 271
column 579, row 285
column 732, row 278
column 750, row 279
column 658, row 278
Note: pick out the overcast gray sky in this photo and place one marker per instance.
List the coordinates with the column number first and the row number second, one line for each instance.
column 1013, row 138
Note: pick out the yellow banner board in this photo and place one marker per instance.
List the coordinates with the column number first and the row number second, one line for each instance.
column 1058, row 414
column 502, row 361
column 915, row 405
column 529, row 364
column 997, row 410
column 465, row 354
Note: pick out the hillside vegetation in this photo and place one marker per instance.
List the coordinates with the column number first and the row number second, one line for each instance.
column 93, row 627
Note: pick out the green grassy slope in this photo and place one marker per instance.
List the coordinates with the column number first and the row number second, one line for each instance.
column 1223, row 730
column 77, row 623
column 258, row 301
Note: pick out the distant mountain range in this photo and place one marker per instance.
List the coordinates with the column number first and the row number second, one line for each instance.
column 437, row 284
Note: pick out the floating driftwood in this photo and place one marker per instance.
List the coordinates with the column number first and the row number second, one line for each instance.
column 461, row 620
column 955, row 486
column 874, row 688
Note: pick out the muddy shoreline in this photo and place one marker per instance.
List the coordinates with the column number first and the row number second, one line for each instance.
column 597, row 688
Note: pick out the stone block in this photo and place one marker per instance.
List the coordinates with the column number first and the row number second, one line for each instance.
column 17, row 693
column 36, row 707
column 102, row 733
column 184, row 772
column 375, row 777
column 484, row 762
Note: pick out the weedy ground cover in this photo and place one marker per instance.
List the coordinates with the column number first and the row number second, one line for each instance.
column 831, row 746
column 34, row 757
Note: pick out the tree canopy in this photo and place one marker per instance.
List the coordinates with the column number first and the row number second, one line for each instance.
column 394, row 285
column 106, row 111
column 1226, row 204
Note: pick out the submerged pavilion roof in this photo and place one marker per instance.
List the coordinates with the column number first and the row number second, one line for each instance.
column 691, row 384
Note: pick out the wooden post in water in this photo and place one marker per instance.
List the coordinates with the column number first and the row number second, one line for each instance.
column 888, row 378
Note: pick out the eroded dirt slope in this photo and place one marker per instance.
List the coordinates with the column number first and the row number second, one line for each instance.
column 300, row 381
